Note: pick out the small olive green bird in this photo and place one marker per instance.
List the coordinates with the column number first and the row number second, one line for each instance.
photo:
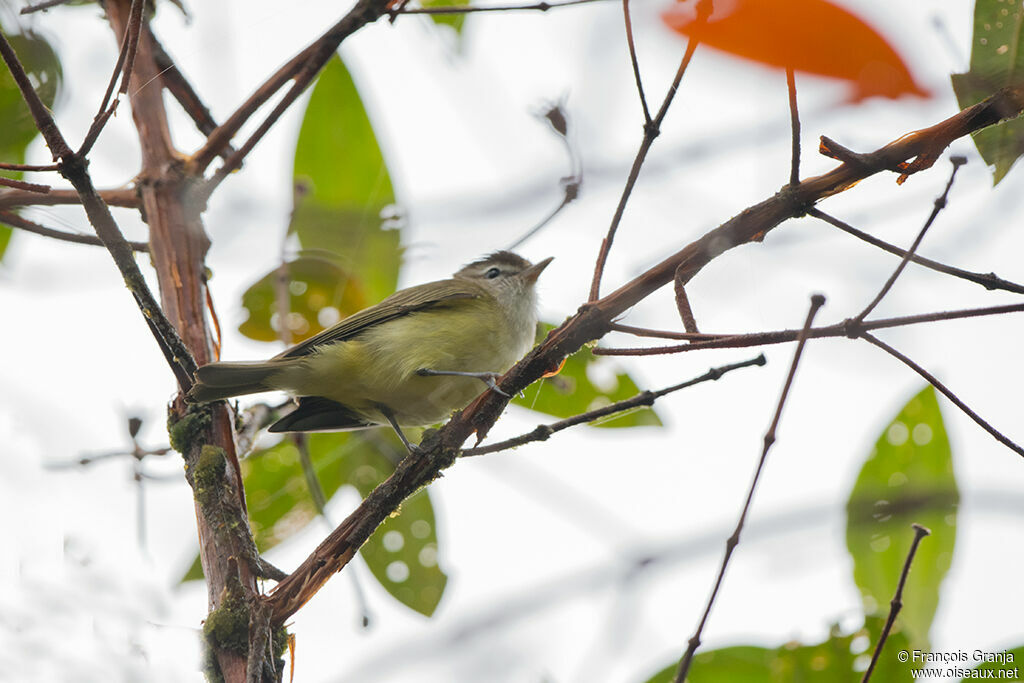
column 408, row 361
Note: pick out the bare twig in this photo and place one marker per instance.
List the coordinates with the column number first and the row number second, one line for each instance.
column 633, row 60
column 28, row 167
column 931, row 379
column 644, row 398
column 652, row 128
column 794, row 122
column 43, row 6
column 817, row 301
column 683, row 305
column 16, row 221
column 897, row 600
column 123, row 69
column 940, row 204
column 987, row 280
column 9, row 199
column 22, row 185
column 471, row 9
column 847, row 328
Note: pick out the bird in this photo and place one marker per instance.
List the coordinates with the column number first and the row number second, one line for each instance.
column 408, row 361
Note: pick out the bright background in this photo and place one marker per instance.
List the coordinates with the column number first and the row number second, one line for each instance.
column 537, row 542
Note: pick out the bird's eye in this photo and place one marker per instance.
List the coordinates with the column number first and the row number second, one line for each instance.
column 492, row 273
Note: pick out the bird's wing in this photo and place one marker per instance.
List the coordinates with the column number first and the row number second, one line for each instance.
column 398, row 304
column 318, row 414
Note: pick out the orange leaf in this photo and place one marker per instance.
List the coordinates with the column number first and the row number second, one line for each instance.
column 811, row 36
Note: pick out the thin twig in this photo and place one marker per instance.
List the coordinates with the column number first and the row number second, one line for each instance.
column 989, row 281
column 123, row 70
column 9, row 199
column 931, row 379
column 644, row 398
column 16, row 221
column 27, row 167
column 43, row 6
column 794, row 122
column 470, row 9
column 22, row 185
column 817, row 301
column 897, row 599
column 940, row 204
column 652, row 128
column 847, row 328
column 633, row 60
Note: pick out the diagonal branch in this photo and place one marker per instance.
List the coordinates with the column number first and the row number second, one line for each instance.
column 16, row 221
column 440, row 449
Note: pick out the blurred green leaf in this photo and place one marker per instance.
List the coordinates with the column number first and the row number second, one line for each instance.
column 584, row 383
column 1013, row 661
column 350, row 258
column 908, row 477
column 456, row 21
column 402, row 552
column 839, row 659
column 997, row 60
column 320, row 293
column 18, row 129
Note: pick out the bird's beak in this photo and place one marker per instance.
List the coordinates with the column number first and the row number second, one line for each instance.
column 533, row 272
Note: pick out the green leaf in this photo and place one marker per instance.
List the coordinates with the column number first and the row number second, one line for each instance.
column 320, row 293
column 1013, row 659
column 908, row 477
column 18, row 129
column 342, row 185
column 350, row 258
column 401, row 553
column 456, row 21
column 574, row 390
column 997, row 60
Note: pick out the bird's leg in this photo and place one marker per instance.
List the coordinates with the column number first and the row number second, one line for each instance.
column 398, row 430
column 487, row 378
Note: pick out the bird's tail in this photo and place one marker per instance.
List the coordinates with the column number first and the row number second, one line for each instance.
column 226, row 379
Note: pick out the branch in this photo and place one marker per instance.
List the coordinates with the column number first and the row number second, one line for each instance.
column 440, row 448
column 817, row 301
column 644, row 398
column 124, row 198
column 22, row 185
column 897, row 600
column 794, row 124
column 16, row 221
column 471, row 9
column 987, row 280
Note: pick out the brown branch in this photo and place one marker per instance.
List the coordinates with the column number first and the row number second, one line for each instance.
column 847, row 328
column 22, row 185
column 16, row 221
column 644, row 398
column 652, row 128
column 633, row 60
column 817, row 301
column 931, row 379
column 43, row 6
column 27, row 167
column 794, row 124
column 439, row 449
column 940, row 204
column 9, row 199
column 987, row 280
column 896, row 604
column 472, row 9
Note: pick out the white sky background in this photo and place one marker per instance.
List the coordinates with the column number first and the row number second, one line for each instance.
column 549, row 523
